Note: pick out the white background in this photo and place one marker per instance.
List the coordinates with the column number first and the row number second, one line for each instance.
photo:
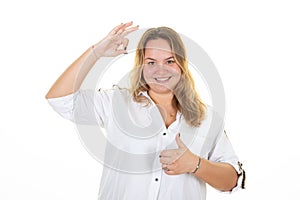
column 254, row 45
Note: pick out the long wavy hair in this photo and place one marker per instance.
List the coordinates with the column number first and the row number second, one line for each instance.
column 186, row 98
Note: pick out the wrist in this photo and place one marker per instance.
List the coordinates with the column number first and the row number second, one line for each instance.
column 97, row 51
column 197, row 167
column 93, row 51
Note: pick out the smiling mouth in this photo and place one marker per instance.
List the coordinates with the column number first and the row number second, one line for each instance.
column 163, row 79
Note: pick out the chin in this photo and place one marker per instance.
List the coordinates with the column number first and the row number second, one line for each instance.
column 161, row 89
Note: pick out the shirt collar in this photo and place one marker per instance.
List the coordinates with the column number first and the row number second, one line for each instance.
column 145, row 94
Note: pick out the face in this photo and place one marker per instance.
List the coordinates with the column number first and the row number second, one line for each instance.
column 160, row 70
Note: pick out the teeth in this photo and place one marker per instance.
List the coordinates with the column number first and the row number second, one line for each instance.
column 162, row 79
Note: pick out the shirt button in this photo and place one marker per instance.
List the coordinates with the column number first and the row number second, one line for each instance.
column 164, row 133
column 156, row 179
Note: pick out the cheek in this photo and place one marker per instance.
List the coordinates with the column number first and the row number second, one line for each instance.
column 147, row 72
column 175, row 70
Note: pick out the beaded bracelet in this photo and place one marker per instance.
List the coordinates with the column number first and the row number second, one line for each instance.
column 198, row 165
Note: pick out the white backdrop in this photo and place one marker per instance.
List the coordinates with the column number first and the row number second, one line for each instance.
column 254, row 45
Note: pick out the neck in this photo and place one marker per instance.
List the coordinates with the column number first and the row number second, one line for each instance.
column 162, row 98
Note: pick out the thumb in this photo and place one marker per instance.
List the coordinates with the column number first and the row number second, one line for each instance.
column 125, row 42
column 179, row 141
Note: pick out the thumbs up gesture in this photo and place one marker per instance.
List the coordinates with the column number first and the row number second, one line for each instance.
column 178, row 161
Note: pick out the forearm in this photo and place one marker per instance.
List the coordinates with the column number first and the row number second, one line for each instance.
column 72, row 78
column 221, row 176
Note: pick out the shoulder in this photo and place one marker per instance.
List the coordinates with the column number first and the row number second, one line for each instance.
column 115, row 95
column 212, row 124
column 213, row 116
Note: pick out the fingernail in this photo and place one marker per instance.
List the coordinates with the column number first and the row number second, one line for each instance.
column 179, row 134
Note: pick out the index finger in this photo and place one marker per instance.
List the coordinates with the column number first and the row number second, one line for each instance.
column 116, row 29
column 120, row 28
column 129, row 30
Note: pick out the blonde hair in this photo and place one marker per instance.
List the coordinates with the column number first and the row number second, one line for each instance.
column 186, row 98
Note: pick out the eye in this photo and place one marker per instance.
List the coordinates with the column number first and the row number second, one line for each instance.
column 170, row 62
column 151, row 63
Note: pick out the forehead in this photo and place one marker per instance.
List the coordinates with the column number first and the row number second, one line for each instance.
column 158, row 48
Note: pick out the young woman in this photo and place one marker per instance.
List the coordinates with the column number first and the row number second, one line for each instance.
column 167, row 146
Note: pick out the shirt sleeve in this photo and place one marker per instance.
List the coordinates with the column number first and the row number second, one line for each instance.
column 83, row 107
column 223, row 152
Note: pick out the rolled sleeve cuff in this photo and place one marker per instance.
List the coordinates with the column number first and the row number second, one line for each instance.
column 64, row 105
column 241, row 176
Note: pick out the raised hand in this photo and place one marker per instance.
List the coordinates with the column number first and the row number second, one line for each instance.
column 178, row 161
column 115, row 43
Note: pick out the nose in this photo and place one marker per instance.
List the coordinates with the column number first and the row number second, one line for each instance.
column 161, row 69
column 160, row 65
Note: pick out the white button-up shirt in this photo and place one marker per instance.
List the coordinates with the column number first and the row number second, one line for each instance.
column 136, row 134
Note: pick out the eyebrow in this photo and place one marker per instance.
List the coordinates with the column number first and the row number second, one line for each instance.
column 148, row 58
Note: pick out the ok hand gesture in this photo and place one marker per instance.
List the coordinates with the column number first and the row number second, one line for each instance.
column 115, row 43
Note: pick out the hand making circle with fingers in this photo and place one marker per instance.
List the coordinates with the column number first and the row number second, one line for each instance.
column 178, row 161
column 115, row 43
